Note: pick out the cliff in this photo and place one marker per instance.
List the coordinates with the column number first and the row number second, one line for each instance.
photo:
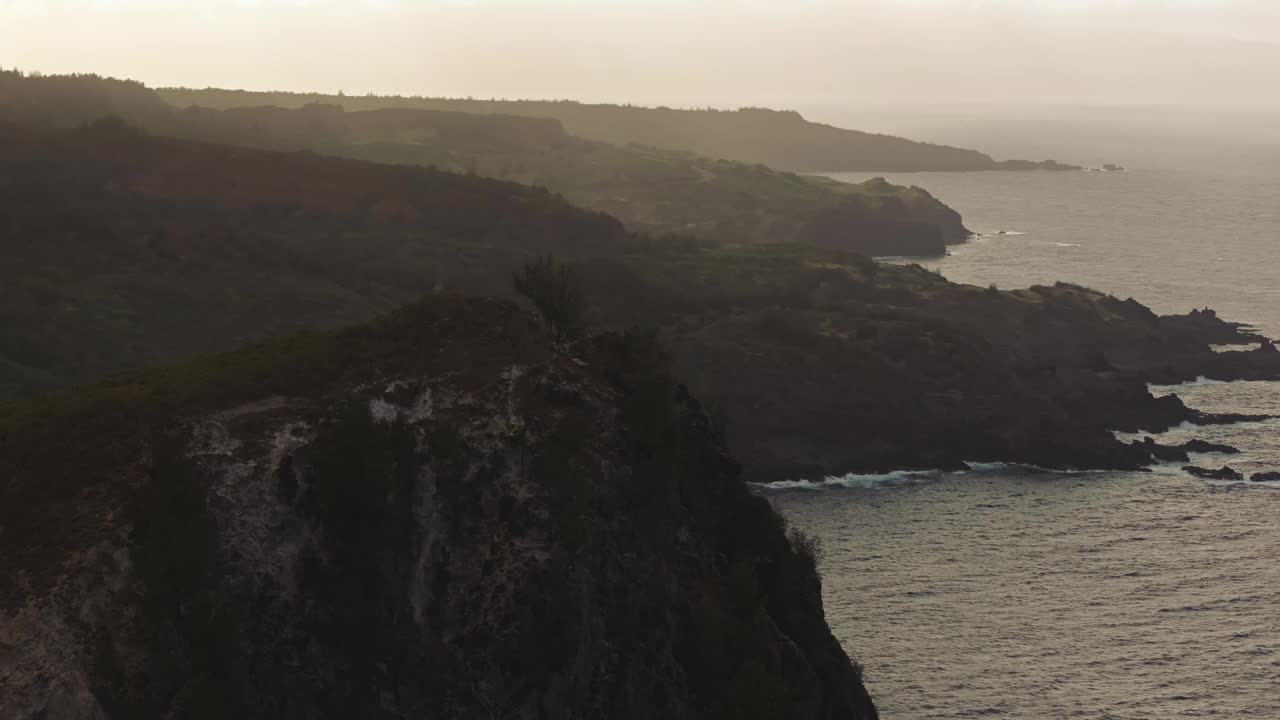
column 779, row 139
column 434, row 515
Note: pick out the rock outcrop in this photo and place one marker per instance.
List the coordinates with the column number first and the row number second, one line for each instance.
column 435, row 516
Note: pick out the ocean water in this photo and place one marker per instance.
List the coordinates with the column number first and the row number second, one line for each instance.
column 1017, row 593
column 1173, row 239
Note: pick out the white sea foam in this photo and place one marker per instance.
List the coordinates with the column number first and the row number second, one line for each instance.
column 871, row 481
column 987, row 467
column 791, row 485
column 854, row 481
column 1067, row 245
column 996, row 467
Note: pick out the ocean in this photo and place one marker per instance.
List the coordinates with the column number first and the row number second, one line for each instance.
column 1018, row 593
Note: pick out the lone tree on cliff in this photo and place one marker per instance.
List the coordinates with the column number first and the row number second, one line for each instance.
column 556, row 292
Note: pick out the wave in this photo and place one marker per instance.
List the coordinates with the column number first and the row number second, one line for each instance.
column 1232, row 348
column 1067, row 245
column 988, row 467
column 996, row 467
column 1202, row 380
column 872, row 481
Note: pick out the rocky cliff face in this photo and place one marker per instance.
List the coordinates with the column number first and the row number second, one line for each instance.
column 879, row 219
column 482, row 527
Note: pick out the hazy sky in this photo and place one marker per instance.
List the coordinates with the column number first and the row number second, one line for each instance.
column 720, row 52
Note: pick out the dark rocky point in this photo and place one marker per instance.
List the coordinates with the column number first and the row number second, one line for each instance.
column 1202, row 418
column 1225, row 473
column 1163, row 453
column 1265, row 477
column 1201, row 446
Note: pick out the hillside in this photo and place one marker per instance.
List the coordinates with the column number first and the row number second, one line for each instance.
column 653, row 191
column 122, row 250
column 778, row 139
column 432, row 515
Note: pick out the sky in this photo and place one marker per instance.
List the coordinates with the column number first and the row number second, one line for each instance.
column 723, row 53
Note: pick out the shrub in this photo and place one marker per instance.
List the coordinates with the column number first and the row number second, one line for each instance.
column 807, row 547
column 556, row 292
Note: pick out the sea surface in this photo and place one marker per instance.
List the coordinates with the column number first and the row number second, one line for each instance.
column 1009, row 592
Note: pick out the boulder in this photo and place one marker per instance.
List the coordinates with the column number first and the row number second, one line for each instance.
column 1266, row 477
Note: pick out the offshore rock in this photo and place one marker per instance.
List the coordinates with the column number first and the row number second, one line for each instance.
column 1201, row 446
column 1225, row 473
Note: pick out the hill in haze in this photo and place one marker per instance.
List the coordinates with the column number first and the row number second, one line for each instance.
column 652, row 190
column 779, row 139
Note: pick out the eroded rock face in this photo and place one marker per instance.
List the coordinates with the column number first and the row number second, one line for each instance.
column 564, row 539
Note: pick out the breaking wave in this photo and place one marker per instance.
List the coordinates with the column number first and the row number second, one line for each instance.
column 855, row 481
